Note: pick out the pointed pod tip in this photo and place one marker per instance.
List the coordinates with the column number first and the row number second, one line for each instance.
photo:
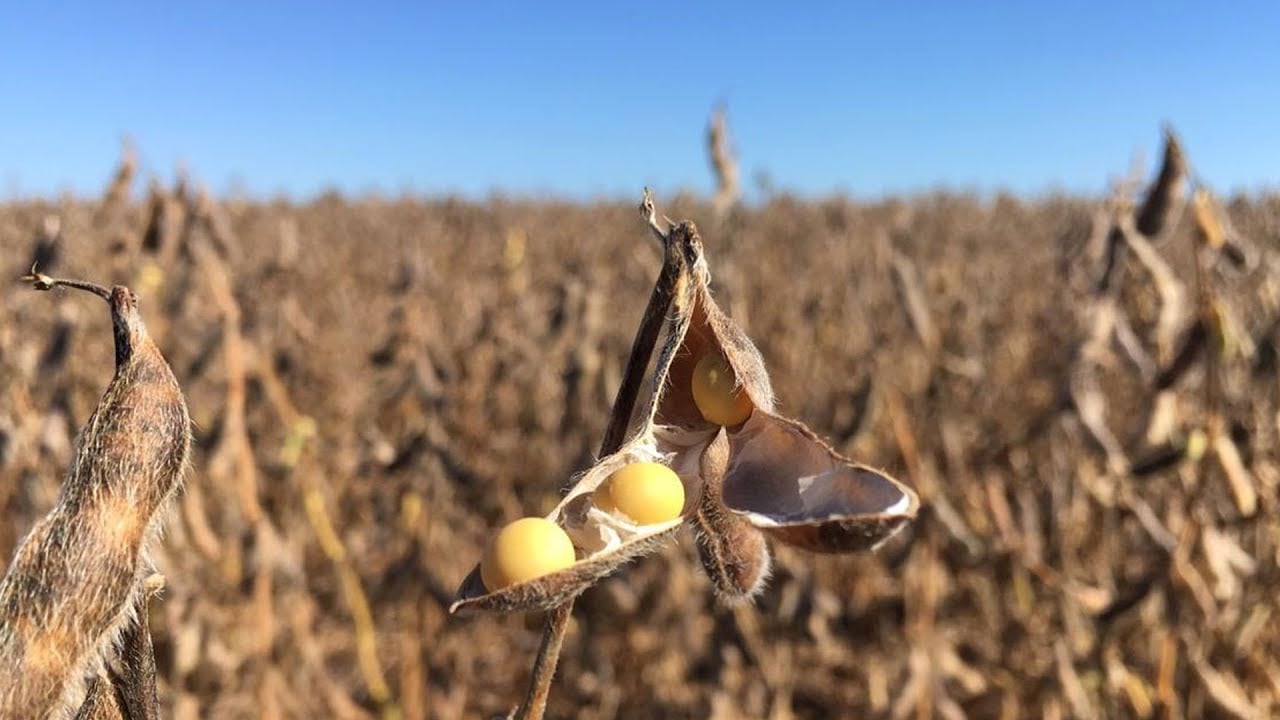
column 906, row 506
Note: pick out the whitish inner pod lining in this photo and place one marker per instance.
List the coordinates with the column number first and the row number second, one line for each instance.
column 683, row 448
column 603, row 532
column 777, row 469
column 821, row 501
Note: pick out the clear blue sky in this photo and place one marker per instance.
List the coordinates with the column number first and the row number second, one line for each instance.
column 600, row 98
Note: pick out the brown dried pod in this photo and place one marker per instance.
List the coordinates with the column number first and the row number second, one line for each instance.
column 733, row 552
column 603, row 540
column 1163, row 199
column 709, row 418
column 785, row 480
column 75, row 579
column 779, row 476
column 100, row 701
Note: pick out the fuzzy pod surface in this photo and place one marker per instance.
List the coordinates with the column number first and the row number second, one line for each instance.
column 74, row 580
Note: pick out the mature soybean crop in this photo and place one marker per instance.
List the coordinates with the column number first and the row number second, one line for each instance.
column 1087, row 412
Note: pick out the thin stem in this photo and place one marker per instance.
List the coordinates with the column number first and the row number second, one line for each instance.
column 646, row 339
column 544, row 668
column 650, row 214
column 44, row 282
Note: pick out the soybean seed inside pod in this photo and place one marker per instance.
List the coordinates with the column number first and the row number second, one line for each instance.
column 716, row 392
column 524, row 550
column 645, row 492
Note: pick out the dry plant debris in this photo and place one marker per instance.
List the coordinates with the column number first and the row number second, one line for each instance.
column 380, row 383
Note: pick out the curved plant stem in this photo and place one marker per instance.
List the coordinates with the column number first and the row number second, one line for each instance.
column 44, row 282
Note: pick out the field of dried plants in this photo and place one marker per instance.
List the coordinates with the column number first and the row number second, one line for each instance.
column 1091, row 417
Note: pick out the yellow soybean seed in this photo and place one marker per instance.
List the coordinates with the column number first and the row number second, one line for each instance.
column 716, row 392
column 602, row 500
column 526, row 549
column 645, row 492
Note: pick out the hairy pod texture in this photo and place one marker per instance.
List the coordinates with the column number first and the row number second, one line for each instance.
column 125, row 690
column 100, row 700
column 733, row 552
column 74, row 581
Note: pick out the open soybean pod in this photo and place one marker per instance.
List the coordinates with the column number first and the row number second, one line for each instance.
column 603, row 536
column 671, row 436
column 744, row 471
column 602, row 542
column 773, row 474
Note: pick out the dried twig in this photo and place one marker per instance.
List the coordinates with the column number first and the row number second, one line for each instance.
column 1225, row 690
column 911, row 293
column 723, row 163
column 1172, row 294
column 1091, row 407
column 1072, row 688
column 235, row 448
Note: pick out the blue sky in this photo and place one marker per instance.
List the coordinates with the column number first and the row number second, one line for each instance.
column 584, row 100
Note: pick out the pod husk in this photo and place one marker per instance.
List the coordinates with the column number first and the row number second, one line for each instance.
column 823, row 502
column 576, row 515
column 789, row 483
column 780, row 476
column 733, row 553
column 699, row 326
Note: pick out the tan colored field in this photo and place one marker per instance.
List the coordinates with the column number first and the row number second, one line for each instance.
column 457, row 362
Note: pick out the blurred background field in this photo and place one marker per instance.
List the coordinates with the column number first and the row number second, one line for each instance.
column 378, row 384
column 393, row 255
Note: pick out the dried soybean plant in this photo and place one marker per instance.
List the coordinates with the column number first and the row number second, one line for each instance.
column 708, row 450
column 1181, row 333
column 1129, row 230
column 723, row 163
column 1188, row 424
column 78, row 581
